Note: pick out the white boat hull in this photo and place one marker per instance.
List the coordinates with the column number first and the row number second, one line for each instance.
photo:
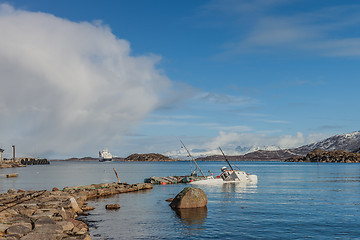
column 251, row 179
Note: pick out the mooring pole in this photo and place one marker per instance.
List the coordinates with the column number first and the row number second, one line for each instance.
column 117, row 175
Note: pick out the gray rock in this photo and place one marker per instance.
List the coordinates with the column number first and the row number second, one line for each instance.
column 49, row 228
column 19, row 230
column 87, row 208
column 42, row 236
column 112, row 206
column 66, row 225
column 78, row 225
column 74, row 205
column 44, row 220
column 12, row 237
column 11, row 190
column 190, row 197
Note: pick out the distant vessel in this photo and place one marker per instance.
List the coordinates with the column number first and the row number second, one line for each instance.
column 105, row 156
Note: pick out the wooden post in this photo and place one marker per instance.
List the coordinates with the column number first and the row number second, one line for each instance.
column 117, row 176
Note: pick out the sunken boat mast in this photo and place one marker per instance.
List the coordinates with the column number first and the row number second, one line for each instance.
column 193, row 159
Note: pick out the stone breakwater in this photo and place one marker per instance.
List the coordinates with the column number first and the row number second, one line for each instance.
column 10, row 164
column 53, row 214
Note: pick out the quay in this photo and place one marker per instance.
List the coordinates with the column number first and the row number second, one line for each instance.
column 53, row 214
column 20, row 162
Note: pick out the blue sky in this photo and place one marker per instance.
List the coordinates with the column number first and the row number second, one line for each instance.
column 213, row 73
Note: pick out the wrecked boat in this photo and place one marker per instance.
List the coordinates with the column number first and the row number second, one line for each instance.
column 229, row 176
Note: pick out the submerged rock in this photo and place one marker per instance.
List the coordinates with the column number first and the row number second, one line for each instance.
column 190, row 197
column 10, row 175
column 112, row 206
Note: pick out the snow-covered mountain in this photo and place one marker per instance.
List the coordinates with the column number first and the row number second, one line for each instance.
column 349, row 142
column 245, row 150
column 198, row 153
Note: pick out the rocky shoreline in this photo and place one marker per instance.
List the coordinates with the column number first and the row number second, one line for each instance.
column 319, row 155
column 53, row 214
column 10, row 164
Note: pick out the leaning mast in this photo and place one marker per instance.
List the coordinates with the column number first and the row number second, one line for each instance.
column 226, row 159
column 192, row 158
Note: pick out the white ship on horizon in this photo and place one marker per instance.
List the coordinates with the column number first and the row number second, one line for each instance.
column 105, row 156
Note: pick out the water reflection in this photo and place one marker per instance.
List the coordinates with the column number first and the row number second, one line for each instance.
column 239, row 188
column 192, row 216
column 234, row 187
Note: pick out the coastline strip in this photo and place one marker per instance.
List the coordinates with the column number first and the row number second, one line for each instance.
column 35, row 214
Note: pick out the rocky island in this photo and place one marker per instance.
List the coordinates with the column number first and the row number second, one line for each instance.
column 319, row 155
column 136, row 157
column 150, row 157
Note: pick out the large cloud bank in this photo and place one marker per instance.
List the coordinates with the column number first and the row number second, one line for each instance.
column 68, row 87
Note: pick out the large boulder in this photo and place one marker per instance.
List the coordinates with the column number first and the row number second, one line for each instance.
column 190, row 197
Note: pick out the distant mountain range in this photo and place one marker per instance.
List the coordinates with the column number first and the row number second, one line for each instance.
column 348, row 142
column 245, row 150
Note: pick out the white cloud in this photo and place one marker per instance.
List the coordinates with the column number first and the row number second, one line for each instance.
column 225, row 99
column 316, row 137
column 70, row 87
column 273, row 121
column 230, row 140
column 290, row 141
column 326, row 30
column 239, row 128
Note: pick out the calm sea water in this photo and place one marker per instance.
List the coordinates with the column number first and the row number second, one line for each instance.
column 290, row 201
